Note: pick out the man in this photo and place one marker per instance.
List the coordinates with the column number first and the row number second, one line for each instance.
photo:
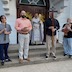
column 49, row 30
column 67, row 39
column 37, row 31
column 23, row 27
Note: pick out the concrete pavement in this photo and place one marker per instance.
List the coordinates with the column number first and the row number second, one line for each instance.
column 61, row 66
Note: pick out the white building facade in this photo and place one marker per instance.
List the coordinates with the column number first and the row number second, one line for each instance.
column 64, row 8
column 8, row 8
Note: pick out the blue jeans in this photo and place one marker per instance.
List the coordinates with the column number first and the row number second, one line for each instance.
column 4, row 51
column 69, row 46
column 65, row 45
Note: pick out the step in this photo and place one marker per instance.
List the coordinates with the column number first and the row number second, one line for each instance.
column 34, row 49
column 35, row 60
column 35, row 53
column 14, row 48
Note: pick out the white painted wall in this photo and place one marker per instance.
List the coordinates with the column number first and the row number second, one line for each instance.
column 62, row 17
column 67, row 13
column 70, row 5
column 11, row 20
column 1, row 8
column 62, row 20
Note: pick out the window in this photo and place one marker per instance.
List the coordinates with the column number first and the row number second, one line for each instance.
column 33, row 2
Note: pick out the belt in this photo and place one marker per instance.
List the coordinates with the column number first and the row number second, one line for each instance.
column 24, row 33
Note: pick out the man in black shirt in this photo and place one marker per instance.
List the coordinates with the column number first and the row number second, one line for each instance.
column 49, row 29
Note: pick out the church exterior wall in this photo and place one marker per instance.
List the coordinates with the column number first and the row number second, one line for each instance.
column 11, row 17
column 64, row 8
column 62, row 17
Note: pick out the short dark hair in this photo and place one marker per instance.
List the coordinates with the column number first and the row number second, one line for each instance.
column 2, row 17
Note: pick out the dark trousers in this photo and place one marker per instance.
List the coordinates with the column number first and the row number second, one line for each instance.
column 4, row 51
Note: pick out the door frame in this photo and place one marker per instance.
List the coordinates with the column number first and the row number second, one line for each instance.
column 47, row 14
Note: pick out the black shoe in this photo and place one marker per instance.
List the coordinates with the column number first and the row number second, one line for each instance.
column 2, row 63
column 42, row 44
column 51, row 54
column 65, row 54
column 8, row 60
column 34, row 44
column 18, row 57
column 54, row 57
column 31, row 44
column 46, row 56
column 69, row 56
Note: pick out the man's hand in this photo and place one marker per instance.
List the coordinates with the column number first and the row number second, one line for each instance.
column 5, row 32
column 51, row 27
column 53, row 30
column 21, row 32
column 26, row 29
column 2, row 31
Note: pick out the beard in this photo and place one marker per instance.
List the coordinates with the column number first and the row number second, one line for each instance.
column 23, row 16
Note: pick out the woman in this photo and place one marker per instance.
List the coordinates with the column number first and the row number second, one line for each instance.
column 5, row 30
column 67, row 40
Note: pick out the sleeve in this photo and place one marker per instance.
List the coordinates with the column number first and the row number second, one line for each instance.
column 63, row 28
column 57, row 26
column 17, row 25
column 10, row 29
column 46, row 25
column 63, row 25
column 0, row 27
column 30, row 26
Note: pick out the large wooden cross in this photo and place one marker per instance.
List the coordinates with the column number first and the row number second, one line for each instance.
column 53, row 11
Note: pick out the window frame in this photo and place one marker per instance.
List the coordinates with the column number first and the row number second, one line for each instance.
column 31, row 4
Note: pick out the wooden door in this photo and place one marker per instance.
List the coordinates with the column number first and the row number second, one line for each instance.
column 32, row 8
